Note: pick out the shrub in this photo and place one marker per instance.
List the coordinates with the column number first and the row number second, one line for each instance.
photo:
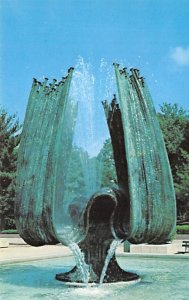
column 183, row 229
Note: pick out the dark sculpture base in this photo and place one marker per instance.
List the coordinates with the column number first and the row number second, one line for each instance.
column 95, row 247
column 113, row 274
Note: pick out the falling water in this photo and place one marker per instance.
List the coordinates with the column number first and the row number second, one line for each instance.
column 85, row 163
column 88, row 90
column 82, row 267
column 88, row 139
column 110, row 254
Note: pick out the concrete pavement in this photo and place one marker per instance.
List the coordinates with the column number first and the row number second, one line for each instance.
column 22, row 253
column 18, row 250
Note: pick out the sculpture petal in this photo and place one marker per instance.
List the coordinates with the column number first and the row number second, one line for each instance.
column 42, row 123
column 150, row 184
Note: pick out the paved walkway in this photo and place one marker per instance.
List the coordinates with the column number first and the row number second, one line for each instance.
column 19, row 253
column 18, row 250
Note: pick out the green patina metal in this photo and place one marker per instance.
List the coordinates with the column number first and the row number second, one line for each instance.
column 148, row 183
column 141, row 161
column 141, row 209
column 40, row 153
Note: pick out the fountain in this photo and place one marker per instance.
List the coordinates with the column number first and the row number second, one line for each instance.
column 62, row 195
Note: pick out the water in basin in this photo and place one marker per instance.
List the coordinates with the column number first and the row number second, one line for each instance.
column 161, row 278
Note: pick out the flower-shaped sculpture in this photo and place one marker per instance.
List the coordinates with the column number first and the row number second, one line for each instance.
column 61, row 196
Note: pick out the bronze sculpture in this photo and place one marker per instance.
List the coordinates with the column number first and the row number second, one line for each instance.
column 141, row 208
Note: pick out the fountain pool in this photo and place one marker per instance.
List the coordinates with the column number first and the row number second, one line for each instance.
column 161, row 278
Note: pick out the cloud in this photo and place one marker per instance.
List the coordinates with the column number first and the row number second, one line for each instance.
column 180, row 55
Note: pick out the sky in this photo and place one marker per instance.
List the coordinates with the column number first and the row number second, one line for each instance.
column 45, row 37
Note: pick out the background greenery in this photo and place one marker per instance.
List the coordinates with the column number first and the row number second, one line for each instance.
column 174, row 122
column 9, row 141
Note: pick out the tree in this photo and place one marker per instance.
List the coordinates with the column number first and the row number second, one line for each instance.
column 9, row 140
column 106, row 159
column 174, row 122
column 182, row 188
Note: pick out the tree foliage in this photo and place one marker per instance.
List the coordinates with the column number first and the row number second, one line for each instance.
column 174, row 122
column 108, row 166
column 9, row 140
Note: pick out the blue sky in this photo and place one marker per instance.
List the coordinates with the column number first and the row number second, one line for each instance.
column 44, row 38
